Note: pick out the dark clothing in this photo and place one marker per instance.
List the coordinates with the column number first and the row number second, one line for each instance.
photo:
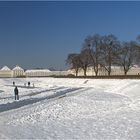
column 16, row 93
column 13, row 83
column 16, row 90
column 28, row 83
column 16, row 97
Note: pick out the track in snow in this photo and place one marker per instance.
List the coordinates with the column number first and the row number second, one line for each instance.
column 21, row 103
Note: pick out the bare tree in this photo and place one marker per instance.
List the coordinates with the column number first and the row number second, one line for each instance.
column 109, row 52
column 105, row 51
column 75, row 62
column 128, row 55
column 85, row 59
column 93, row 43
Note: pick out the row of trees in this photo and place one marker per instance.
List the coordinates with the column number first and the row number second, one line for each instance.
column 105, row 51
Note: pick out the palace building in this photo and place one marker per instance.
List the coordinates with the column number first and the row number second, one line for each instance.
column 115, row 70
column 37, row 73
column 5, row 72
column 17, row 71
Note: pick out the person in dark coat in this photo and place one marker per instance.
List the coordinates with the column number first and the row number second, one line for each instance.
column 16, row 93
column 13, row 83
column 28, row 84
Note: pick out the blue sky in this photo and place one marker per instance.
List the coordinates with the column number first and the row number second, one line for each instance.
column 42, row 34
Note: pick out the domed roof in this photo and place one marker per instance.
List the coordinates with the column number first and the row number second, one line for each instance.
column 5, row 68
column 17, row 68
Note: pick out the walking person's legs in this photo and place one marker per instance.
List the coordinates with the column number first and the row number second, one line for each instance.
column 17, row 97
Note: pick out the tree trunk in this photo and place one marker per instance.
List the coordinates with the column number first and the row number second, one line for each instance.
column 109, row 73
column 110, row 63
column 76, row 71
column 96, row 73
column 85, row 72
column 125, row 72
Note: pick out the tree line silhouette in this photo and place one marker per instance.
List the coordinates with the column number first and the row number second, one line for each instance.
column 104, row 52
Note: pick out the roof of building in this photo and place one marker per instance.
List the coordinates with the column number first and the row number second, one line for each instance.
column 5, row 68
column 17, row 68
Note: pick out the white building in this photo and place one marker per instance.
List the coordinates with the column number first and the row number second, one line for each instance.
column 5, row 72
column 115, row 70
column 60, row 73
column 18, row 72
column 38, row 73
column 44, row 72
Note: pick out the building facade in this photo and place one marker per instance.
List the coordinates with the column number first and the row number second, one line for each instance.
column 38, row 73
column 115, row 70
column 18, row 72
column 5, row 72
column 44, row 73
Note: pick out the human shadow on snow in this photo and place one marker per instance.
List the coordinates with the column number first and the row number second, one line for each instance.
column 21, row 103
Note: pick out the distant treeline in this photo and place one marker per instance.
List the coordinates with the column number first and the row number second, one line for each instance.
column 104, row 52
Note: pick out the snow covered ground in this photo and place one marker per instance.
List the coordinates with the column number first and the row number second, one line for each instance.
column 70, row 109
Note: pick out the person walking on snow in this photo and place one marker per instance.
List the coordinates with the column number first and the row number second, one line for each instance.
column 28, row 84
column 13, row 83
column 16, row 93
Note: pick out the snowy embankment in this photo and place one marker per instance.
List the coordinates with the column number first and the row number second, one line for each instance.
column 70, row 109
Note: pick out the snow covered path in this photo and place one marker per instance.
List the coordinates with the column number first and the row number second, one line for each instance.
column 28, row 101
column 71, row 109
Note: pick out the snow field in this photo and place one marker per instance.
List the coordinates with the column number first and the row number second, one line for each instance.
column 71, row 109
